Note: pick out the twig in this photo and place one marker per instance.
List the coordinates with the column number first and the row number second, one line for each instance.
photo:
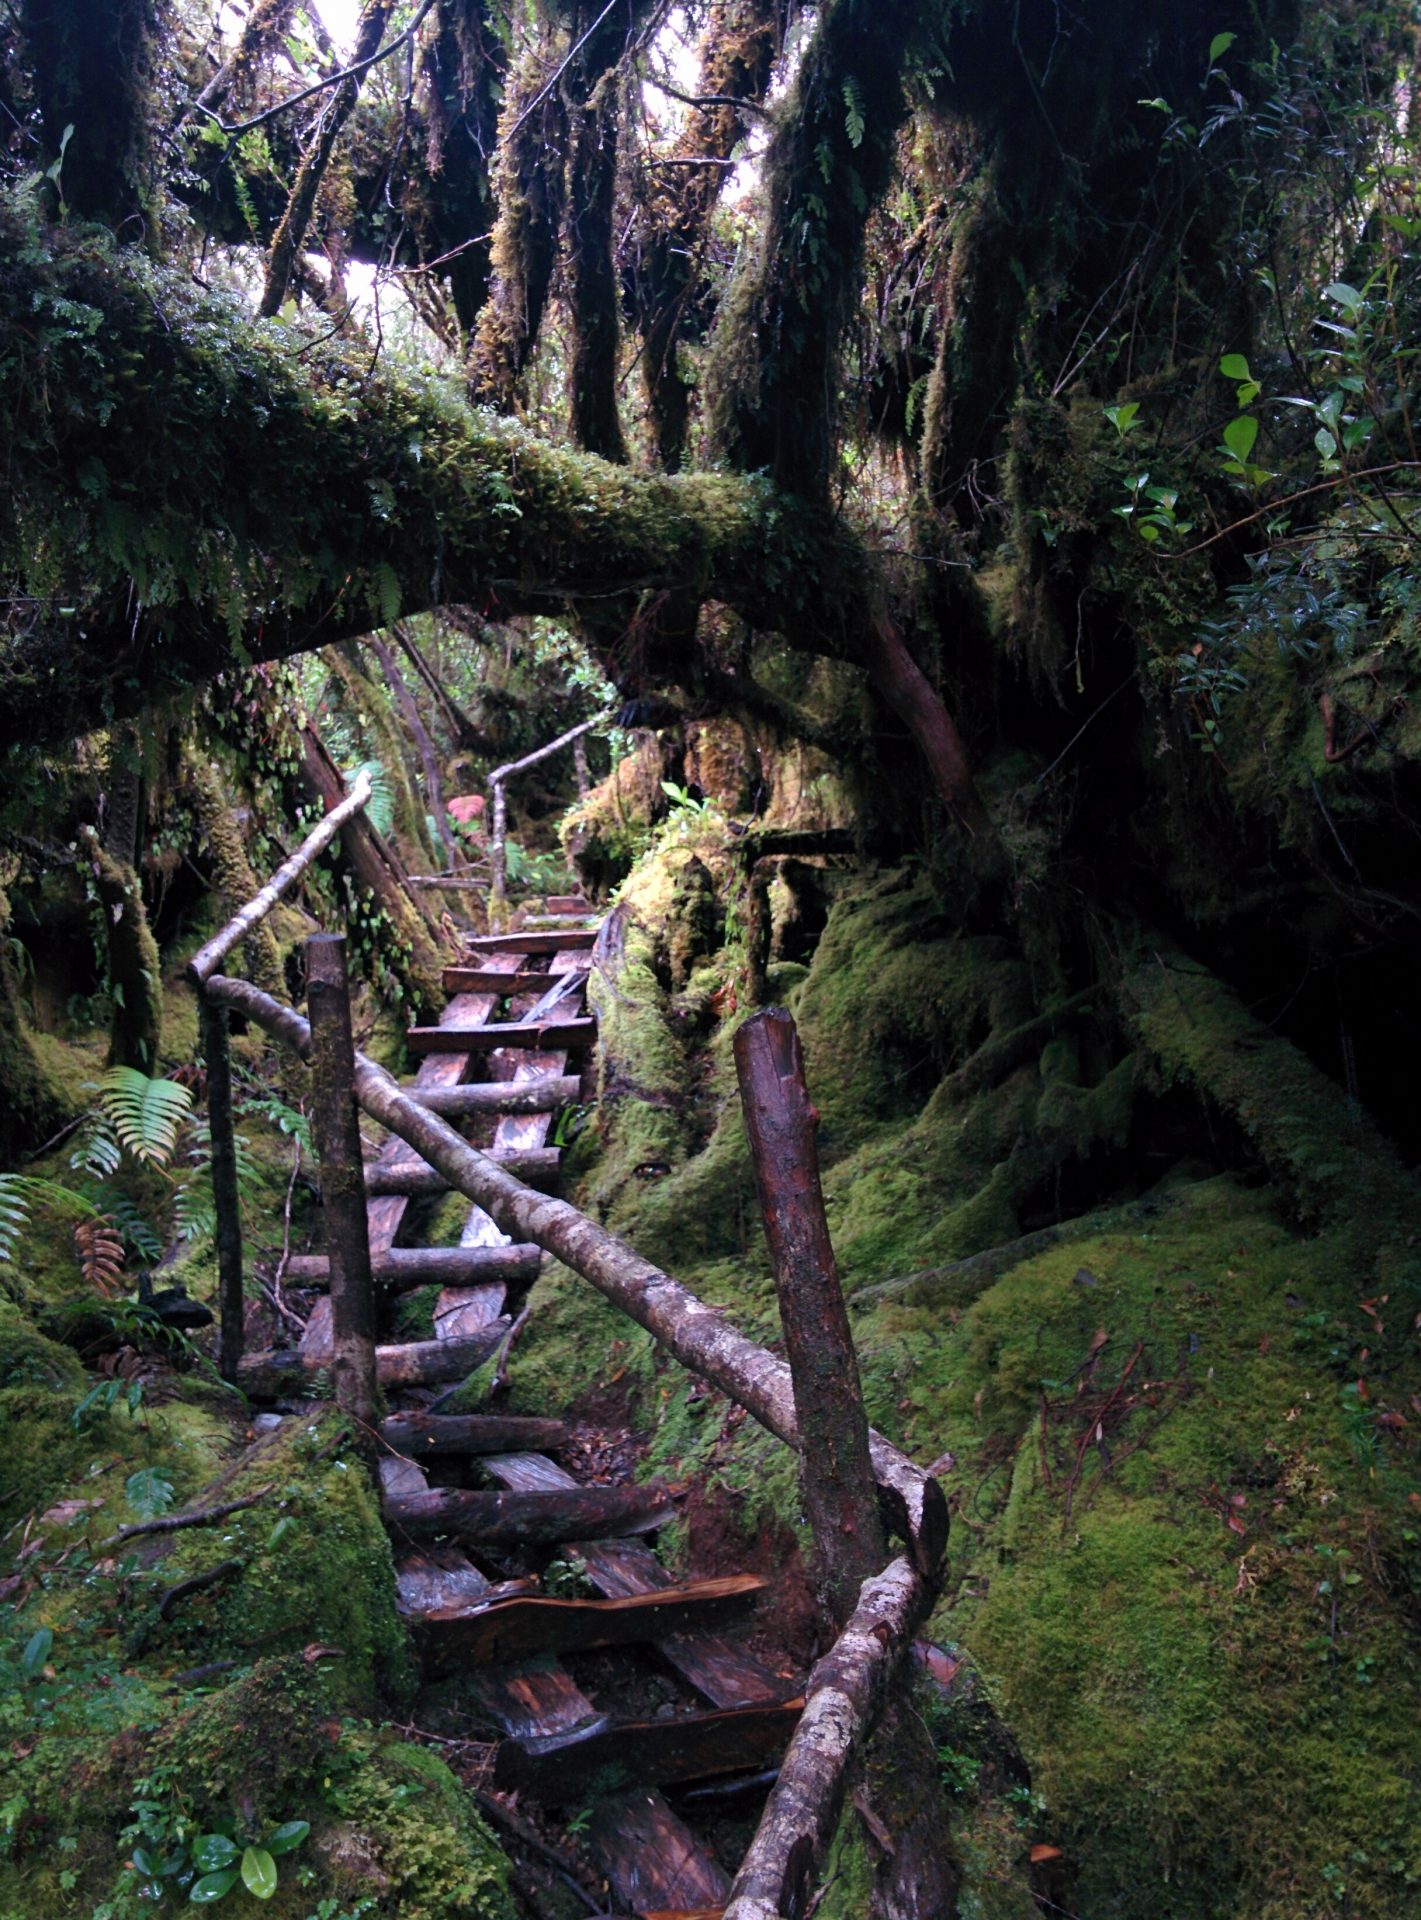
column 198, row 1583
column 176, row 1522
column 500, row 1378
column 292, row 1318
column 1320, row 486
column 520, row 1829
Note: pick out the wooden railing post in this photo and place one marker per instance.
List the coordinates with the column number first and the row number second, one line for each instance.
column 216, row 1050
column 337, row 1133
column 836, row 1475
column 498, row 844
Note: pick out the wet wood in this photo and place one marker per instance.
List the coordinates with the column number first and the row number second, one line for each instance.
column 274, row 1374
column 835, row 1472
column 558, row 940
column 209, row 958
column 428, row 1434
column 509, row 1033
column 408, row 1177
column 226, row 1201
column 527, row 1628
column 720, row 1670
column 336, row 1127
column 845, row 1694
column 438, row 1577
column 651, row 1859
column 530, row 1519
column 489, row 980
column 398, row 1269
column 539, row 1096
column 557, row 1768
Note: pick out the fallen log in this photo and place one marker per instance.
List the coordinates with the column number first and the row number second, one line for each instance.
column 400, row 1268
column 531, row 1519
column 529, row 1626
column 422, row 1434
column 644, row 1753
column 424, row 1363
column 546, row 1035
column 532, row 1164
column 843, row 1699
column 501, row 1096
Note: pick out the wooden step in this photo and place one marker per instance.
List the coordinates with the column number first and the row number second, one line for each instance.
column 568, row 903
column 556, row 1769
column 407, row 1177
column 424, row 1435
column 544, row 1034
column 551, row 940
column 528, row 1627
column 499, row 1096
column 398, row 1269
column 721, row 1671
column 489, row 980
column 272, row 1374
column 530, row 1519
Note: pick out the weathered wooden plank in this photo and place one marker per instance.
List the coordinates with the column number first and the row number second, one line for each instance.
column 411, row 1176
column 424, row 1363
column 490, row 980
column 400, row 1268
column 527, row 1628
column 650, row 1858
column 559, row 1768
column 437, row 1577
column 485, row 1096
column 557, row 940
column 508, row 1033
column 529, row 1519
column 423, row 1435
column 720, row 1670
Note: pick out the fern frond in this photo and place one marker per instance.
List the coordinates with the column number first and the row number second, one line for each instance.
column 19, row 1192
column 194, row 1212
column 380, row 807
column 96, row 1151
column 145, row 1113
column 139, row 1233
column 99, row 1246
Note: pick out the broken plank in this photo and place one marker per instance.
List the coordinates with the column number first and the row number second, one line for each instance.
column 400, row 1268
column 424, row 1434
column 650, row 1858
column 557, row 940
column 423, row 1363
column 559, row 1768
column 526, row 1628
column 507, row 1033
column 485, row 1096
column 413, row 1176
column 490, row 980
column 530, row 1519
column 721, row 1671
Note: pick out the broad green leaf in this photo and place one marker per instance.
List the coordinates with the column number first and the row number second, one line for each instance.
column 1122, row 418
column 1220, row 45
column 259, row 1873
column 1247, row 392
column 1234, row 366
column 1324, row 443
column 1239, row 436
column 1345, row 296
column 1148, row 532
column 143, row 1863
column 36, row 1651
column 213, row 1851
column 290, row 1834
column 212, row 1886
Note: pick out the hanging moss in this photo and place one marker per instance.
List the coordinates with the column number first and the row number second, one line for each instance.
column 233, row 872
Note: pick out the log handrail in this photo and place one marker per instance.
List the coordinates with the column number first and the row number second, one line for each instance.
column 691, row 1331
column 208, row 958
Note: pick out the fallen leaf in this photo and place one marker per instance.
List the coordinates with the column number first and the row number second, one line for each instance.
column 1392, row 1420
column 1041, row 1854
column 1101, row 1336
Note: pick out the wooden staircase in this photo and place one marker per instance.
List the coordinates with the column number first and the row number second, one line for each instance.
column 467, row 1557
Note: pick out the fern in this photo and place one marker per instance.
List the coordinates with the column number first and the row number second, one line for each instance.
column 380, row 807
column 96, row 1151
column 19, row 1193
column 140, row 1235
column 99, row 1246
column 145, row 1113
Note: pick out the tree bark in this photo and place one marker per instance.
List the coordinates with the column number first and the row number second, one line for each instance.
column 280, row 1371
column 336, row 1128
column 422, row 1435
column 835, row 1474
column 226, row 1202
column 400, row 1269
column 424, row 746
column 530, row 1519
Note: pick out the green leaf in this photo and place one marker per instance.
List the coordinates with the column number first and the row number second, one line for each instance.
column 1122, row 418
column 1148, row 531
column 36, row 1651
column 1345, row 296
column 854, row 122
column 1239, row 436
column 1324, row 443
column 213, row 1851
column 290, row 1834
column 259, row 1873
column 1234, row 366
column 149, row 1492
column 212, row 1886
column 1220, row 45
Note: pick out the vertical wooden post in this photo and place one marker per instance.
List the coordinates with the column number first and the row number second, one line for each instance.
column 216, row 1051
column 836, row 1479
column 337, row 1135
column 498, row 845
column 580, row 767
